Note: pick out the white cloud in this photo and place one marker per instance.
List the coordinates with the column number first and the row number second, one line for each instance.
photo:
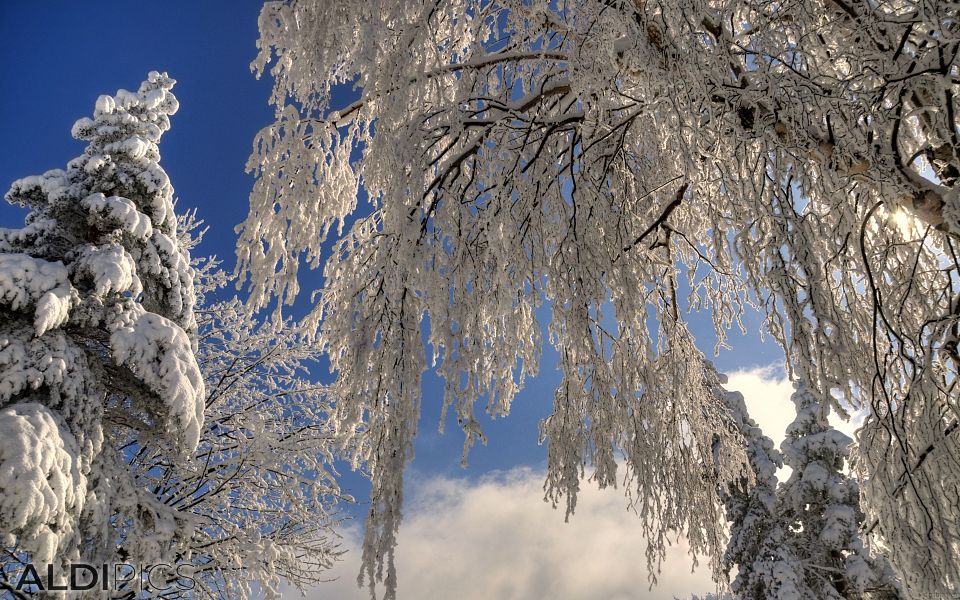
column 496, row 539
column 766, row 391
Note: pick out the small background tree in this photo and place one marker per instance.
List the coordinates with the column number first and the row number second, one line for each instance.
column 261, row 491
column 759, row 547
column 820, row 504
column 803, row 539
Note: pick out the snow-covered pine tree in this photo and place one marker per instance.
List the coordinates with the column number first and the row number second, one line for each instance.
column 758, row 547
column 821, row 506
column 96, row 318
column 800, row 540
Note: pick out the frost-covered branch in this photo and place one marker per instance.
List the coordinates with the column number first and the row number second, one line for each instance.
column 510, row 151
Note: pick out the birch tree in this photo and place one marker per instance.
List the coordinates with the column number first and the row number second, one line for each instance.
column 625, row 162
column 259, row 495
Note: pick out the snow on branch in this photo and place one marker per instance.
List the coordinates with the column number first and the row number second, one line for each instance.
column 495, row 160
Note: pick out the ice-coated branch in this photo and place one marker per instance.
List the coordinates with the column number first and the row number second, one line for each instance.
column 503, row 154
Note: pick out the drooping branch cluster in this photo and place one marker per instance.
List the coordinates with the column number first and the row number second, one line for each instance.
column 612, row 159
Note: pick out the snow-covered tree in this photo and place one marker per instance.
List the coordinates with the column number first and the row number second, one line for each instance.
column 803, row 539
column 96, row 325
column 615, row 158
column 760, row 545
column 260, row 491
column 112, row 448
column 820, row 504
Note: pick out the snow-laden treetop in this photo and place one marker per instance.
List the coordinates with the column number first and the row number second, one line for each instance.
column 96, row 324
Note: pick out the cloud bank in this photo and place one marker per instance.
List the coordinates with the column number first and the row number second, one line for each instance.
column 766, row 392
column 495, row 539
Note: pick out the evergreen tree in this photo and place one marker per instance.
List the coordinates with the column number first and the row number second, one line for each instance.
column 821, row 506
column 759, row 545
column 96, row 343
column 800, row 540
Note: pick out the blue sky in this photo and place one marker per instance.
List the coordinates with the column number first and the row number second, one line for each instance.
column 57, row 56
